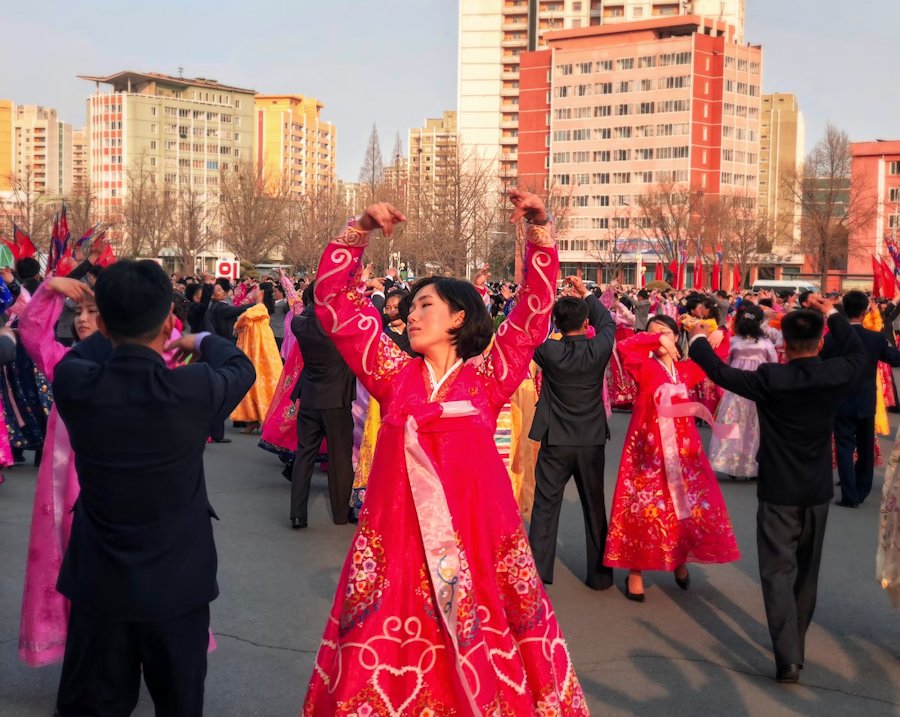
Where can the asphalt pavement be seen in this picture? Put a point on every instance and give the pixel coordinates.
(679, 653)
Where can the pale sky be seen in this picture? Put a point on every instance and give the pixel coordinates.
(393, 62)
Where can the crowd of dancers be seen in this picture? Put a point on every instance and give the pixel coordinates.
(397, 389)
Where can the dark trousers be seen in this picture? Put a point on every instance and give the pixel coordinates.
(852, 434)
(335, 425)
(789, 541)
(104, 659)
(555, 465)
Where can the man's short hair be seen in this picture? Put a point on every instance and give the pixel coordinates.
(133, 298)
(224, 283)
(804, 297)
(802, 330)
(855, 304)
(570, 314)
(28, 268)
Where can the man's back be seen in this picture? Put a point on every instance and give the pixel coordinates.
(326, 380)
(797, 403)
(142, 545)
(859, 398)
(570, 411)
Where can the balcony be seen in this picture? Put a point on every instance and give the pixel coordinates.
(509, 91)
(509, 141)
(516, 23)
(509, 124)
(514, 43)
(509, 75)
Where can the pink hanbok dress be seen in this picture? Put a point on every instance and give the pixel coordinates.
(439, 609)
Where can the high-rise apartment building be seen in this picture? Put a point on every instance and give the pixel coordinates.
(729, 12)
(7, 144)
(294, 144)
(183, 131)
(42, 149)
(492, 35)
(612, 112)
(781, 149)
(79, 159)
(433, 153)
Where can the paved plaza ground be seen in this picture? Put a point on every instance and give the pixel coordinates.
(703, 651)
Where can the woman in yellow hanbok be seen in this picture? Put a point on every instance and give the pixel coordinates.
(255, 338)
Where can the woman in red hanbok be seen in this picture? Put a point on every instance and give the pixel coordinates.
(439, 609)
(667, 509)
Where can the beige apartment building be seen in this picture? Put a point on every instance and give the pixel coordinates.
(42, 150)
(294, 144)
(79, 159)
(781, 148)
(433, 152)
(493, 33)
(7, 144)
(183, 131)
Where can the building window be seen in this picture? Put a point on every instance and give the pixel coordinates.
(153, 111)
(152, 144)
(895, 194)
(895, 168)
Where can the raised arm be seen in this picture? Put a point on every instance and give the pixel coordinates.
(38, 321)
(527, 325)
(348, 317)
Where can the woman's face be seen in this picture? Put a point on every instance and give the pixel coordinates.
(700, 311)
(658, 327)
(430, 320)
(85, 319)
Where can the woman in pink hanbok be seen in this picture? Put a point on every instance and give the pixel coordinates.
(439, 609)
(45, 612)
(620, 385)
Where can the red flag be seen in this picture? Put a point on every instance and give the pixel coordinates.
(876, 278)
(714, 276)
(698, 273)
(673, 270)
(24, 245)
(658, 274)
(888, 284)
(63, 232)
(682, 276)
(736, 273)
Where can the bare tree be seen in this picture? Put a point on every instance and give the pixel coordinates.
(744, 232)
(308, 224)
(833, 207)
(28, 207)
(252, 209)
(146, 213)
(610, 252)
(81, 207)
(372, 170)
(670, 217)
(193, 218)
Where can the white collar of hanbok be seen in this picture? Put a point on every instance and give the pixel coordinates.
(437, 384)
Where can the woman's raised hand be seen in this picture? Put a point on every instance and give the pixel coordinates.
(527, 205)
(381, 215)
(71, 288)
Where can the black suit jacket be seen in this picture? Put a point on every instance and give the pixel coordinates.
(797, 403)
(142, 542)
(197, 313)
(326, 380)
(859, 399)
(570, 410)
(222, 317)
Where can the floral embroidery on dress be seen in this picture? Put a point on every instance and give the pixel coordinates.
(366, 582)
(372, 701)
(519, 583)
(423, 592)
(467, 620)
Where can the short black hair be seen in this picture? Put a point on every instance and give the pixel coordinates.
(477, 329)
(224, 283)
(190, 291)
(804, 297)
(570, 313)
(642, 294)
(855, 304)
(802, 330)
(307, 296)
(28, 268)
(722, 294)
(133, 298)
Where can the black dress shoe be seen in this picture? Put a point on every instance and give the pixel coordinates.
(683, 583)
(351, 517)
(221, 440)
(297, 523)
(788, 675)
(635, 597)
(288, 472)
(847, 504)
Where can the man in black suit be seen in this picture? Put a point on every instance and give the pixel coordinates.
(326, 389)
(854, 424)
(570, 423)
(222, 315)
(140, 568)
(797, 403)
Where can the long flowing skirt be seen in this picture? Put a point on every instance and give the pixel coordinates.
(887, 558)
(45, 612)
(370, 430)
(279, 433)
(736, 456)
(621, 386)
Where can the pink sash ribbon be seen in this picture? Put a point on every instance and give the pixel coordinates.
(668, 412)
(435, 523)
